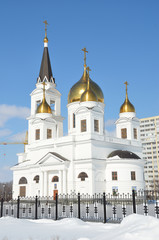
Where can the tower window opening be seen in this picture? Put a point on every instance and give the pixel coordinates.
(114, 176)
(83, 125)
(133, 175)
(37, 134)
(52, 105)
(49, 133)
(82, 176)
(74, 120)
(135, 133)
(123, 133)
(96, 125)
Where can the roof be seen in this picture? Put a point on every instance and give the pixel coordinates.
(123, 154)
(45, 69)
(59, 156)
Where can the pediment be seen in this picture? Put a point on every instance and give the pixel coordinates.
(52, 158)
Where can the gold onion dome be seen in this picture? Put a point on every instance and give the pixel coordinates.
(88, 94)
(44, 106)
(79, 88)
(127, 106)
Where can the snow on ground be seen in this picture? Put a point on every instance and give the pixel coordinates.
(135, 226)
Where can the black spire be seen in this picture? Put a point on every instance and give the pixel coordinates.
(45, 69)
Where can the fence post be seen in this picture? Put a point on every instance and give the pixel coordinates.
(36, 207)
(18, 206)
(79, 207)
(104, 206)
(56, 207)
(134, 202)
(2, 207)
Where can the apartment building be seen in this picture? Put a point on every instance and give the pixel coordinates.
(149, 134)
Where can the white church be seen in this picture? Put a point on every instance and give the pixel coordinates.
(86, 160)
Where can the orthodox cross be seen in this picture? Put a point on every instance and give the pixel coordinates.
(126, 84)
(44, 84)
(85, 51)
(45, 27)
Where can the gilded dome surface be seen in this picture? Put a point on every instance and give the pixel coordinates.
(44, 107)
(127, 105)
(78, 89)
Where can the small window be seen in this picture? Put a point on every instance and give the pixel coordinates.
(135, 133)
(123, 133)
(49, 133)
(55, 179)
(37, 134)
(82, 176)
(83, 125)
(114, 176)
(74, 121)
(36, 179)
(115, 191)
(23, 180)
(96, 125)
(133, 176)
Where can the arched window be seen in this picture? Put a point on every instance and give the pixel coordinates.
(55, 179)
(36, 179)
(82, 176)
(23, 180)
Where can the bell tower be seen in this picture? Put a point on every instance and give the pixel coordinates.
(45, 121)
(128, 125)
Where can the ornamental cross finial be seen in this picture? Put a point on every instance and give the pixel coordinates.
(126, 84)
(85, 51)
(88, 70)
(44, 84)
(45, 27)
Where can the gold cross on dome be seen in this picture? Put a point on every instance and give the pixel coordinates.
(45, 27)
(88, 70)
(126, 84)
(85, 51)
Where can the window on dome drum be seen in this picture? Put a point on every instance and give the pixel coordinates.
(114, 176)
(36, 179)
(133, 175)
(38, 103)
(123, 133)
(23, 180)
(96, 125)
(49, 133)
(74, 120)
(83, 125)
(37, 134)
(55, 179)
(135, 133)
(82, 176)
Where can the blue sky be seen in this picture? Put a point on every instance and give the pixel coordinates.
(121, 36)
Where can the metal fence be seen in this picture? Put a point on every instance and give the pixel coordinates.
(99, 207)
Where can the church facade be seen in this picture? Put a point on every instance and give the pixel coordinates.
(86, 160)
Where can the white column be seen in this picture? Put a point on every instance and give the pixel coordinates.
(60, 182)
(64, 182)
(45, 184)
(41, 184)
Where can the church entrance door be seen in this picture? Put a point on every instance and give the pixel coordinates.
(22, 191)
(54, 193)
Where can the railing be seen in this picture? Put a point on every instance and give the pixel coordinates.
(99, 207)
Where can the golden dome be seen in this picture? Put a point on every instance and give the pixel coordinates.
(88, 94)
(44, 106)
(78, 89)
(127, 106)
(45, 40)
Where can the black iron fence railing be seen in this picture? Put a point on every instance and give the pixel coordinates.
(99, 207)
